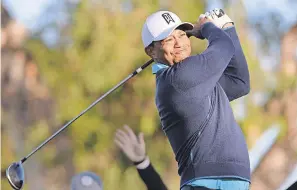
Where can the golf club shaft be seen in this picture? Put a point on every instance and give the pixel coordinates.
(84, 111)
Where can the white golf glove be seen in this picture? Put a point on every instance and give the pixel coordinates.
(216, 16)
(219, 17)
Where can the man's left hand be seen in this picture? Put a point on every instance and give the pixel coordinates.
(219, 18)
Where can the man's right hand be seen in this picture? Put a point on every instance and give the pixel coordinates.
(132, 146)
(196, 31)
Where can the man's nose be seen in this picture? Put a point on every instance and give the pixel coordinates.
(177, 42)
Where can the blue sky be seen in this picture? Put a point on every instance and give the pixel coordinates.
(26, 11)
(286, 8)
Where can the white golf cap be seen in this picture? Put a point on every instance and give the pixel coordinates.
(160, 25)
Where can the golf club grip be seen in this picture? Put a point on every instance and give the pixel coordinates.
(88, 108)
(147, 64)
(142, 67)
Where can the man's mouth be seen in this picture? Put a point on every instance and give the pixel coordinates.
(178, 52)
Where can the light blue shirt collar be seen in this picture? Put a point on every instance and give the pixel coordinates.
(158, 66)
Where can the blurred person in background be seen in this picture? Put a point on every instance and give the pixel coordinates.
(86, 181)
(193, 95)
(134, 148)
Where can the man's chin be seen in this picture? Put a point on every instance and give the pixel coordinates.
(178, 60)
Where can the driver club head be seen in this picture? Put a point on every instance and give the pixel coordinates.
(15, 175)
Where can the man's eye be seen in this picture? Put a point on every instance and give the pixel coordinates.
(168, 40)
(183, 34)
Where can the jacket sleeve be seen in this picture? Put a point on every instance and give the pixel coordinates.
(151, 178)
(204, 70)
(236, 79)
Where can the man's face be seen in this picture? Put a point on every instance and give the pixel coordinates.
(172, 49)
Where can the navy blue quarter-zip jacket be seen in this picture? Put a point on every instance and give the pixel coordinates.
(192, 98)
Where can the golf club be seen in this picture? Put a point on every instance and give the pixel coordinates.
(15, 172)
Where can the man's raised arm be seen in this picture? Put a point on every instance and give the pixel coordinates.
(206, 68)
(236, 79)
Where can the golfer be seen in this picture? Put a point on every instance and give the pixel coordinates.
(193, 94)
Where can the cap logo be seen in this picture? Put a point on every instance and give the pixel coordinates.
(167, 17)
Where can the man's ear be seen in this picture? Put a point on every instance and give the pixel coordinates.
(150, 51)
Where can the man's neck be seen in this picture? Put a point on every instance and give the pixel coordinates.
(162, 62)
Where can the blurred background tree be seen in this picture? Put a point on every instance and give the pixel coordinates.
(80, 49)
